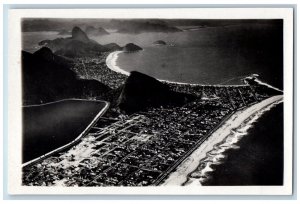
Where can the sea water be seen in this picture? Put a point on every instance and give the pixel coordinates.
(251, 155)
(216, 55)
(220, 55)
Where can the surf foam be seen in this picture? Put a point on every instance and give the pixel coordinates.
(195, 169)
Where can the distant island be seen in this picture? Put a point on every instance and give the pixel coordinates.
(159, 42)
(130, 47)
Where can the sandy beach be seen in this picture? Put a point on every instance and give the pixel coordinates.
(210, 152)
(111, 62)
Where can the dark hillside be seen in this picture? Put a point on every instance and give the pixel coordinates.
(46, 77)
(141, 91)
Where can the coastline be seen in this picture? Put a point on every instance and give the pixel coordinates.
(111, 63)
(219, 141)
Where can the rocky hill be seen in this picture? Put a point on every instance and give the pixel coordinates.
(141, 91)
(46, 77)
(78, 45)
(78, 34)
(160, 42)
(130, 47)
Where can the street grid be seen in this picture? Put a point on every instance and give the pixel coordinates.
(144, 148)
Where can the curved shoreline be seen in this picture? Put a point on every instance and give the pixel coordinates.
(181, 176)
(111, 63)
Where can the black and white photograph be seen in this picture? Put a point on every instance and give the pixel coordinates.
(144, 99)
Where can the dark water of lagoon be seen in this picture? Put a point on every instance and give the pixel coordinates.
(259, 160)
(47, 127)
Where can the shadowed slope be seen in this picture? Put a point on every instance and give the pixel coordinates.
(141, 91)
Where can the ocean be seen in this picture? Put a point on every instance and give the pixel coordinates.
(252, 154)
(205, 56)
(257, 158)
(216, 55)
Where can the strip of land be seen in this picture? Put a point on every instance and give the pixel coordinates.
(180, 175)
(59, 115)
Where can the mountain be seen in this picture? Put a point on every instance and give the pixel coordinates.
(78, 45)
(76, 48)
(78, 34)
(91, 30)
(130, 47)
(113, 46)
(46, 54)
(141, 91)
(47, 77)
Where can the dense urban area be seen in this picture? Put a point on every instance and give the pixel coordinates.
(143, 148)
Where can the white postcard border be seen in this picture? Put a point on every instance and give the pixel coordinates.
(14, 97)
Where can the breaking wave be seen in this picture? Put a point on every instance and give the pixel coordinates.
(218, 154)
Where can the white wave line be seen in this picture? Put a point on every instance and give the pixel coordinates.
(230, 142)
(239, 123)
